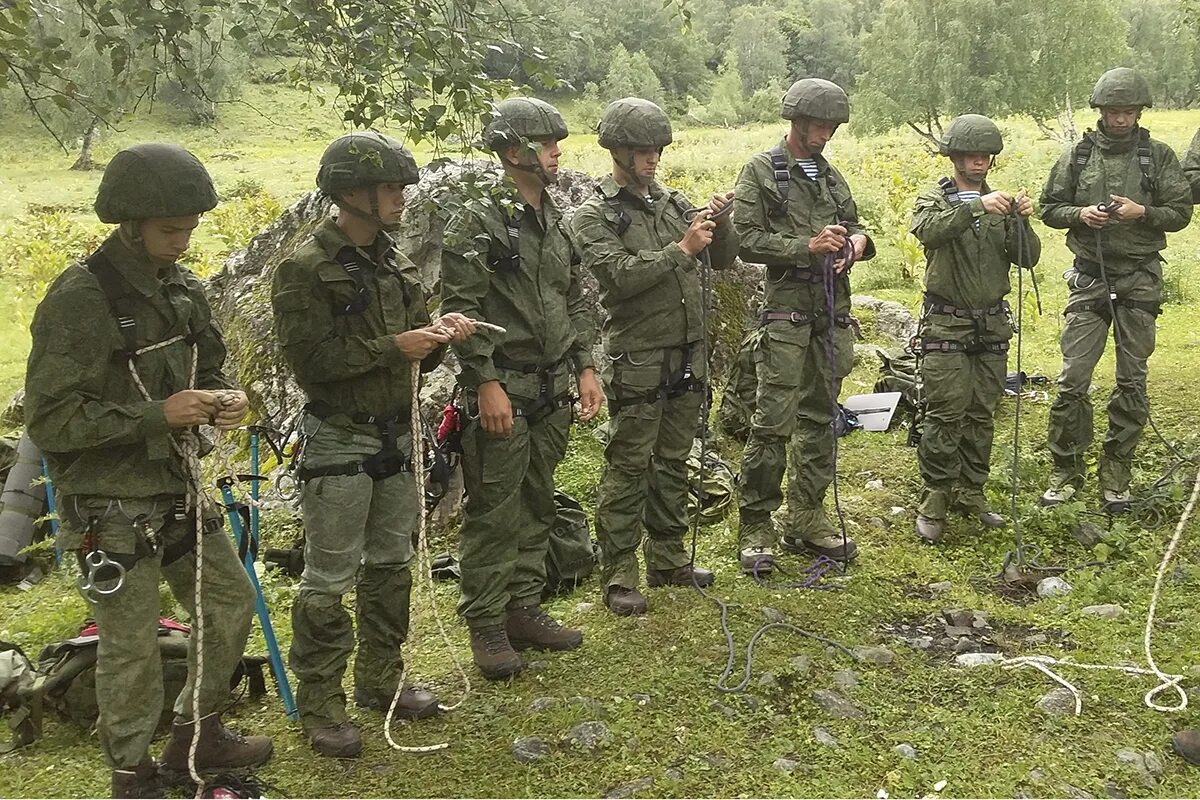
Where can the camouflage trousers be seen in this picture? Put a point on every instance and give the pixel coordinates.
(129, 683)
(358, 535)
(1084, 339)
(791, 428)
(509, 512)
(645, 483)
(961, 391)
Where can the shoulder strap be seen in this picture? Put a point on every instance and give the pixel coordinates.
(116, 292)
(1145, 163)
(1079, 160)
(949, 190)
(783, 180)
(681, 203)
(618, 208)
(348, 258)
(512, 226)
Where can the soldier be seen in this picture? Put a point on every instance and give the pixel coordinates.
(634, 235)
(971, 235)
(1117, 193)
(351, 319)
(1191, 166)
(507, 260)
(793, 209)
(126, 362)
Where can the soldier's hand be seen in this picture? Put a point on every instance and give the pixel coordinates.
(191, 407)
(458, 326)
(830, 240)
(699, 234)
(418, 343)
(997, 203)
(590, 395)
(495, 409)
(718, 202)
(859, 242)
(1093, 217)
(234, 405)
(1127, 210)
(1024, 206)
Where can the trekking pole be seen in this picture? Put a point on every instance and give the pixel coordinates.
(52, 510)
(260, 604)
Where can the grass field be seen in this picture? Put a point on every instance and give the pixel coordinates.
(650, 681)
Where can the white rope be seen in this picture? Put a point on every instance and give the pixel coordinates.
(423, 581)
(1166, 680)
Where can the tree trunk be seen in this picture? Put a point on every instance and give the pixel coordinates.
(84, 161)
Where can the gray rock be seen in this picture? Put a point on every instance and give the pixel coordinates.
(846, 679)
(1104, 611)
(717, 760)
(956, 632)
(768, 680)
(1037, 638)
(1053, 586)
(589, 735)
(801, 665)
(906, 751)
(877, 483)
(978, 659)
(1088, 534)
(979, 619)
(958, 617)
(631, 788)
(583, 608)
(1114, 791)
(641, 699)
(1148, 766)
(1058, 702)
(542, 704)
(787, 765)
(674, 774)
(888, 318)
(835, 705)
(825, 737)
(941, 587)
(1079, 794)
(878, 523)
(1037, 775)
(772, 615)
(965, 645)
(873, 654)
(528, 749)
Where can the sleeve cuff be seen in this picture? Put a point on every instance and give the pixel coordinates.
(583, 359)
(680, 259)
(154, 431)
(472, 377)
(388, 354)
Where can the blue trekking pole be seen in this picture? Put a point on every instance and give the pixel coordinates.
(260, 604)
(50, 507)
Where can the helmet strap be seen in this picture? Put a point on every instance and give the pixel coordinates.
(372, 216)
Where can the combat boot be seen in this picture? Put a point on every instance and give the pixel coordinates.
(625, 602)
(1116, 502)
(930, 529)
(757, 561)
(990, 519)
(1062, 489)
(687, 575)
(139, 781)
(815, 535)
(414, 703)
(493, 653)
(532, 628)
(336, 741)
(218, 749)
(1187, 744)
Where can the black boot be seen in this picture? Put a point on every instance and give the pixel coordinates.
(139, 781)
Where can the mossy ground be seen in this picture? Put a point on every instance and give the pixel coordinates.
(979, 730)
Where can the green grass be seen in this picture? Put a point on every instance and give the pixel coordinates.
(979, 730)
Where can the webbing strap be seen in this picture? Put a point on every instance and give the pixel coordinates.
(779, 166)
(118, 293)
(618, 208)
(348, 257)
(1083, 153)
(1101, 308)
(946, 346)
(935, 305)
(512, 228)
(672, 385)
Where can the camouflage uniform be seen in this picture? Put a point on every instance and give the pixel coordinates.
(792, 419)
(358, 528)
(535, 294)
(110, 452)
(965, 329)
(1132, 266)
(653, 332)
(1191, 166)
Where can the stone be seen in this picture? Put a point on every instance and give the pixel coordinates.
(1148, 765)
(1114, 791)
(1058, 702)
(768, 680)
(956, 632)
(674, 774)
(801, 665)
(1079, 794)
(528, 749)
(641, 699)
(717, 760)
(631, 788)
(846, 679)
(536, 666)
(1037, 775)
(590, 735)
(825, 737)
(787, 765)
(873, 654)
(958, 617)
(1088, 534)
(937, 787)
(583, 608)
(877, 483)
(965, 645)
(897, 510)
(542, 704)
(878, 523)
(970, 660)
(1103, 611)
(1053, 586)
(905, 751)
(941, 587)
(772, 615)
(888, 318)
(835, 705)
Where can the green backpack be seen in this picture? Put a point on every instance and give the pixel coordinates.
(571, 554)
(899, 373)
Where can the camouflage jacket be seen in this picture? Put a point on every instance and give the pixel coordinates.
(650, 289)
(535, 296)
(781, 242)
(82, 408)
(968, 251)
(348, 363)
(1113, 169)
(1191, 166)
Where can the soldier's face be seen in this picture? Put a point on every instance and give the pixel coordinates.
(1120, 120)
(391, 201)
(548, 156)
(166, 239)
(643, 160)
(972, 166)
(813, 134)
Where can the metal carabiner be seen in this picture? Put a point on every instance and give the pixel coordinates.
(96, 561)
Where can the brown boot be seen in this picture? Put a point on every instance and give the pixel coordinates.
(414, 702)
(219, 748)
(140, 781)
(687, 575)
(336, 741)
(625, 602)
(1187, 744)
(532, 628)
(493, 653)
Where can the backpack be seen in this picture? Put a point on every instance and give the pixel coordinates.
(899, 374)
(571, 554)
(716, 494)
